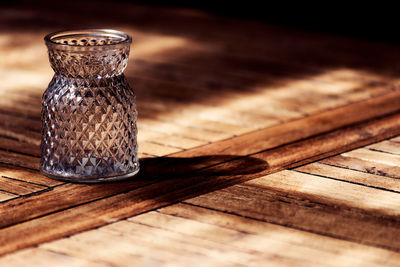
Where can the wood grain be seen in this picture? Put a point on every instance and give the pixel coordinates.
(188, 234)
(6, 196)
(265, 139)
(330, 247)
(309, 126)
(386, 146)
(222, 114)
(19, 160)
(363, 165)
(26, 175)
(44, 257)
(374, 156)
(19, 187)
(164, 192)
(310, 203)
(342, 174)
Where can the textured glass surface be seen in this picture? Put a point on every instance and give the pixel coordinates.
(89, 112)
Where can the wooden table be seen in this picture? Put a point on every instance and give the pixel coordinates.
(259, 145)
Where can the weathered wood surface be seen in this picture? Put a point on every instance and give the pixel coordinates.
(316, 214)
(238, 123)
(92, 206)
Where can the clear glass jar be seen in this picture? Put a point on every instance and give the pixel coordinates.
(89, 111)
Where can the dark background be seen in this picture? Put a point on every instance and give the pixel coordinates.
(377, 20)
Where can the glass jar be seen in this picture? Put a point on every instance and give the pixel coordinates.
(88, 110)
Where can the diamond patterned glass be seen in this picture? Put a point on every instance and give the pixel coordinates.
(89, 111)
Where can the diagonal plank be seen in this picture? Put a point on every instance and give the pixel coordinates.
(302, 128)
(162, 192)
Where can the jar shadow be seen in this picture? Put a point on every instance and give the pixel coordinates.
(209, 166)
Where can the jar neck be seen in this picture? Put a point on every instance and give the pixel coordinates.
(89, 64)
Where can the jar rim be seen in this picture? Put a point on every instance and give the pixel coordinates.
(119, 38)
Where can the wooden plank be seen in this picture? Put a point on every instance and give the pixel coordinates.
(8, 120)
(43, 257)
(179, 244)
(18, 187)
(166, 139)
(20, 106)
(188, 132)
(26, 175)
(58, 198)
(395, 139)
(139, 247)
(6, 196)
(194, 115)
(22, 134)
(167, 191)
(9, 109)
(177, 141)
(19, 146)
(109, 249)
(99, 244)
(220, 112)
(352, 176)
(241, 118)
(212, 125)
(386, 146)
(374, 156)
(19, 160)
(20, 99)
(157, 149)
(363, 165)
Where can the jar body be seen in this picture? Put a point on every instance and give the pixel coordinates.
(88, 120)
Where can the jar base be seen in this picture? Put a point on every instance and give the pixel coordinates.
(91, 180)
